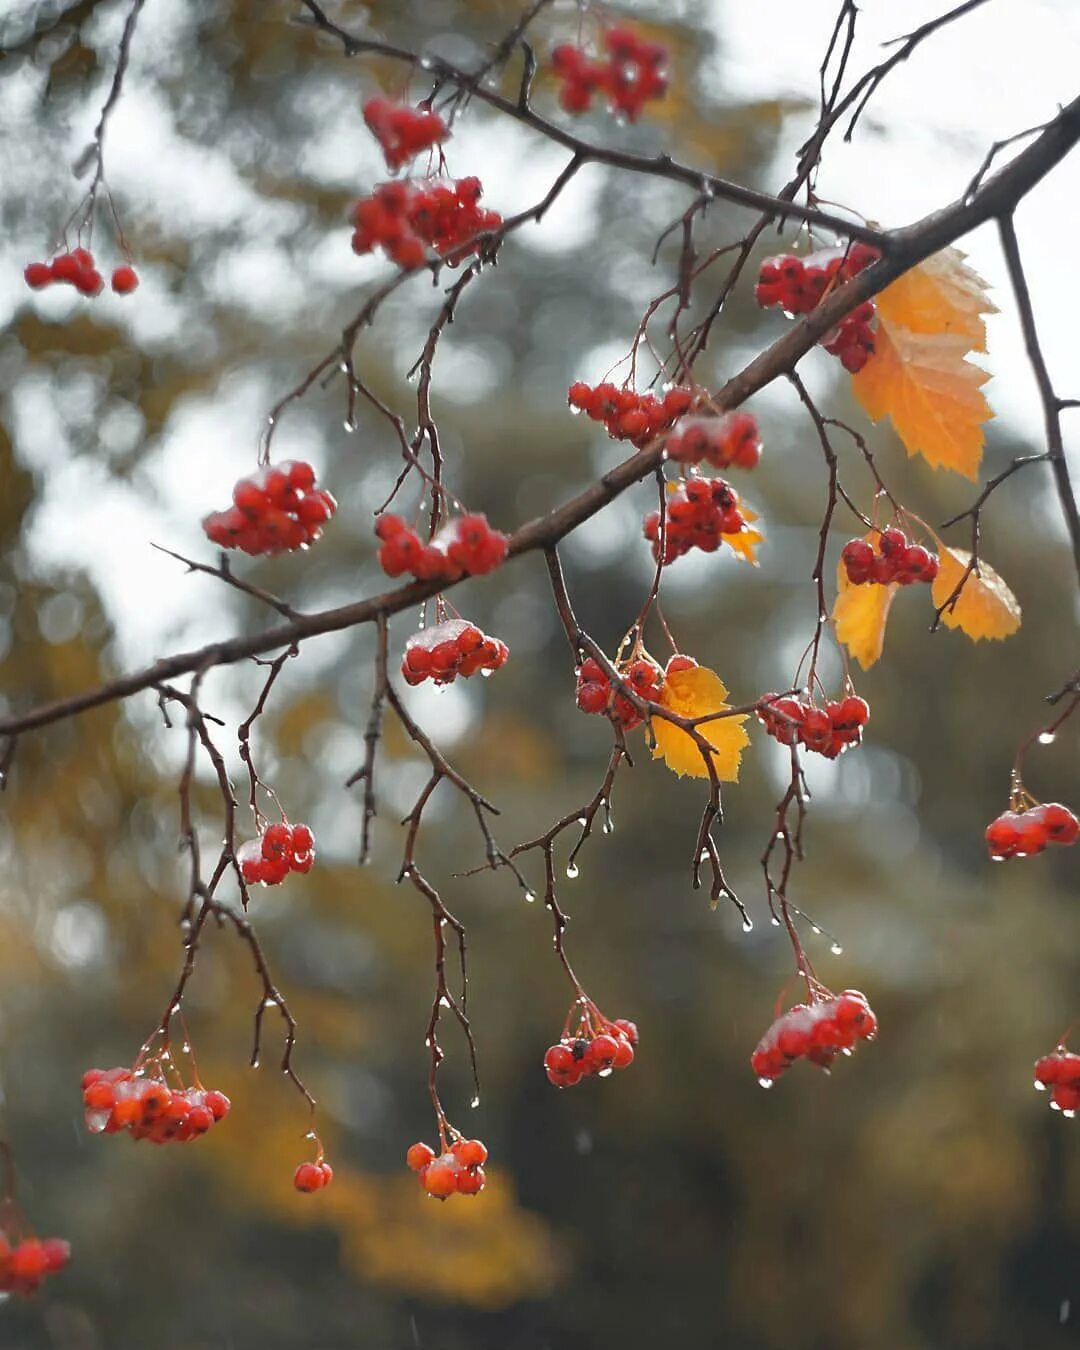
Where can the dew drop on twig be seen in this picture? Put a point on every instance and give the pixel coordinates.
(1047, 737)
(572, 870)
(748, 925)
(836, 949)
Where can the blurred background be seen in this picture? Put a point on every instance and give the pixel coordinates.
(922, 1196)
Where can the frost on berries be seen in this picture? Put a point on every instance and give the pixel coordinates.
(403, 132)
(405, 220)
(458, 1170)
(277, 510)
(730, 441)
(816, 1031)
(627, 415)
(798, 285)
(1060, 1072)
(280, 849)
(828, 731)
(25, 1263)
(446, 650)
(466, 546)
(896, 559)
(630, 73)
(594, 1046)
(146, 1106)
(1022, 833)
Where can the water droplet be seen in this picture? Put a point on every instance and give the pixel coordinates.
(748, 925)
(765, 1082)
(847, 1050)
(344, 368)
(426, 63)
(475, 1102)
(186, 1047)
(836, 949)
(444, 1002)
(349, 425)
(997, 857)
(703, 856)
(571, 870)
(271, 420)
(1040, 1087)
(583, 821)
(255, 1063)
(530, 896)
(605, 1073)
(486, 674)
(427, 1041)
(1069, 1115)
(1047, 737)
(815, 930)
(775, 921)
(609, 826)
(1054, 1106)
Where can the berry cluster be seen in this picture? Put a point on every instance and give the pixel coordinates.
(314, 1176)
(627, 415)
(598, 1047)
(406, 219)
(280, 849)
(729, 441)
(799, 284)
(274, 511)
(1061, 1073)
(464, 547)
(458, 1169)
(77, 269)
(631, 75)
(450, 649)
(699, 513)
(24, 1265)
(852, 340)
(596, 694)
(896, 559)
(145, 1106)
(828, 731)
(403, 132)
(1019, 834)
(817, 1031)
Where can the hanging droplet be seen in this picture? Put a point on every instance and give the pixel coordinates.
(255, 1063)
(765, 1082)
(1047, 737)
(572, 870)
(836, 949)
(486, 674)
(815, 930)
(775, 921)
(475, 1102)
(349, 424)
(583, 821)
(530, 896)
(748, 925)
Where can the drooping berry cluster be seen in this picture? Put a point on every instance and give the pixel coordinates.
(402, 131)
(277, 510)
(446, 650)
(798, 285)
(314, 1176)
(596, 1047)
(78, 269)
(852, 340)
(407, 219)
(458, 1170)
(1060, 1072)
(817, 1031)
(828, 731)
(596, 694)
(466, 546)
(729, 441)
(24, 1265)
(626, 414)
(1020, 834)
(145, 1106)
(280, 849)
(631, 74)
(896, 559)
(700, 511)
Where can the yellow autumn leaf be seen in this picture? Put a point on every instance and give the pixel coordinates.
(860, 615)
(929, 322)
(696, 693)
(985, 608)
(744, 544)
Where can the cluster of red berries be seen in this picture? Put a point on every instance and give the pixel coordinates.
(402, 131)
(600, 1048)
(729, 441)
(465, 547)
(699, 513)
(896, 559)
(145, 1106)
(631, 75)
(1019, 834)
(274, 511)
(457, 1170)
(852, 340)
(314, 1176)
(406, 219)
(817, 1031)
(24, 1265)
(798, 285)
(77, 269)
(450, 649)
(596, 694)
(280, 849)
(627, 415)
(828, 731)
(1061, 1073)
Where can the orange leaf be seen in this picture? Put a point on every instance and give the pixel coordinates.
(941, 295)
(860, 615)
(985, 608)
(744, 544)
(696, 693)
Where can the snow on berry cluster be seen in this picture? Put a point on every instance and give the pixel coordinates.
(1060, 1072)
(630, 74)
(277, 510)
(315, 1176)
(596, 694)
(700, 513)
(145, 1106)
(403, 132)
(446, 650)
(280, 849)
(25, 1264)
(597, 1047)
(896, 559)
(729, 441)
(626, 414)
(798, 285)
(1020, 834)
(78, 269)
(407, 219)
(817, 1031)
(458, 1170)
(466, 546)
(828, 731)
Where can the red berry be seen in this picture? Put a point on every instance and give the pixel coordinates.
(470, 1152)
(419, 1156)
(124, 280)
(440, 1179)
(308, 1177)
(303, 840)
(37, 275)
